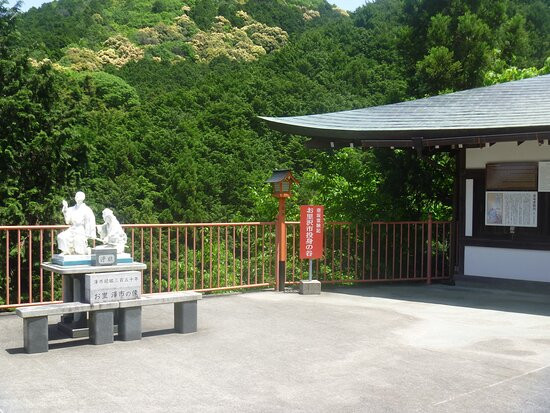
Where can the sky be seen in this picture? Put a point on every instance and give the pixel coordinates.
(350, 5)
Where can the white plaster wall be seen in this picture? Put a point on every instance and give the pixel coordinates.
(515, 264)
(477, 158)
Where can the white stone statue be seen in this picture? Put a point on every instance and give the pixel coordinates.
(111, 233)
(74, 241)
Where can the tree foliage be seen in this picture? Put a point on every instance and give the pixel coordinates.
(40, 152)
(152, 108)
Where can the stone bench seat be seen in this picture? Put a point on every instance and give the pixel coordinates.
(35, 319)
(63, 308)
(161, 298)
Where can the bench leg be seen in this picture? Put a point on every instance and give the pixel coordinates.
(129, 323)
(185, 317)
(101, 326)
(35, 334)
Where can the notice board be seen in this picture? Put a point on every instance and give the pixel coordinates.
(511, 208)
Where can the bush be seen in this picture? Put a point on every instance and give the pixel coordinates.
(112, 90)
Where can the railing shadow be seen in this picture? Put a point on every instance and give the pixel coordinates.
(470, 296)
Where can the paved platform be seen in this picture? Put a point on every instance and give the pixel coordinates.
(400, 348)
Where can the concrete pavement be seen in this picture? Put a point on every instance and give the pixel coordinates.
(399, 348)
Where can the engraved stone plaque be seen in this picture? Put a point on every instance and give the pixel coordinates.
(104, 256)
(112, 286)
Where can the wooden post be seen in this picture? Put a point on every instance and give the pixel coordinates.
(282, 181)
(429, 250)
(281, 246)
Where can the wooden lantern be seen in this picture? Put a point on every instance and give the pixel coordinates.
(282, 181)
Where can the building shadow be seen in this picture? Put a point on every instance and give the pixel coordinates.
(463, 294)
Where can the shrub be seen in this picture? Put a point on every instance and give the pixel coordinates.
(112, 90)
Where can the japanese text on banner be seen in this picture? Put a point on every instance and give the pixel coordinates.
(311, 231)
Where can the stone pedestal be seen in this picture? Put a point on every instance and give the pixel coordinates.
(76, 325)
(310, 287)
(73, 290)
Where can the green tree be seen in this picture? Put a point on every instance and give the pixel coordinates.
(40, 155)
(111, 89)
(204, 12)
(438, 71)
(439, 32)
(179, 139)
(513, 40)
(472, 48)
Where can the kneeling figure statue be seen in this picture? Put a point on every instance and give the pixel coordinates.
(111, 233)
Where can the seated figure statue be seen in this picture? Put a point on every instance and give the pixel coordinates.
(111, 232)
(74, 241)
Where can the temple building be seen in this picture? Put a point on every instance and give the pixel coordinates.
(500, 137)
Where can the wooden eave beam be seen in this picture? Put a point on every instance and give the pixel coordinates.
(448, 142)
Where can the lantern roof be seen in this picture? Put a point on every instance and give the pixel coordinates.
(282, 175)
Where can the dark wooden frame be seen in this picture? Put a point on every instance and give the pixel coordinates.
(495, 236)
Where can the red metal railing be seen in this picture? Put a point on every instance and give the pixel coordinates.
(378, 252)
(212, 257)
(24, 282)
(201, 257)
(204, 257)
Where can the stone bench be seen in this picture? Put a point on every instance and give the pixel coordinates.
(101, 323)
(185, 313)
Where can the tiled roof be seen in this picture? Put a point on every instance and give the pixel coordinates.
(516, 107)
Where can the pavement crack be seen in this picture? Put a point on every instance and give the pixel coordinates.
(498, 383)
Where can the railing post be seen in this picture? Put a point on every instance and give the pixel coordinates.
(429, 250)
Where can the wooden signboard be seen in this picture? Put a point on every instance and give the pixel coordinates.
(512, 176)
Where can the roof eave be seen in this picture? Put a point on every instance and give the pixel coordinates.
(406, 138)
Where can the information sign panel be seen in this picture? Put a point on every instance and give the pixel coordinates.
(511, 176)
(511, 209)
(311, 231)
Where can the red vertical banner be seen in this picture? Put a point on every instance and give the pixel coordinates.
(312, 223)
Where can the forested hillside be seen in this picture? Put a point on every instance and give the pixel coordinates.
(151, 107)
